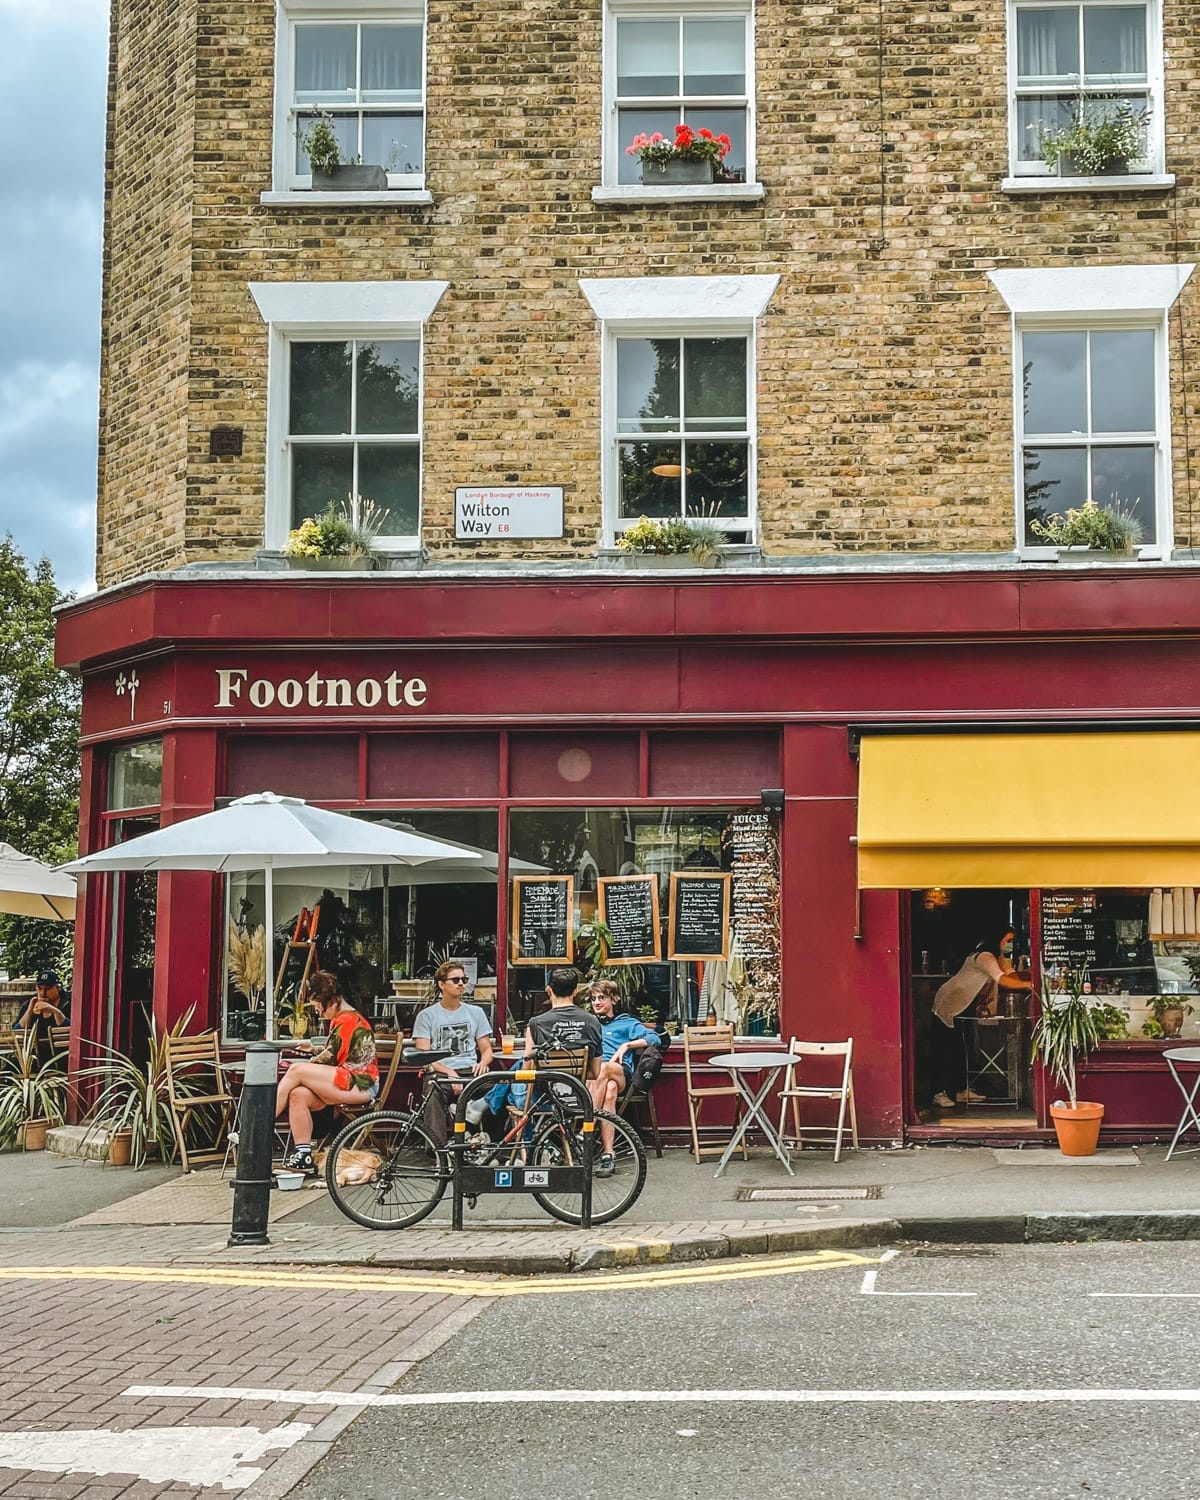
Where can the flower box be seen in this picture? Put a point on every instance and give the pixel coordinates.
(1092, 555)
(678, 173)
(330, 564)
(350, 179)
(658, 562)
(1071, 166)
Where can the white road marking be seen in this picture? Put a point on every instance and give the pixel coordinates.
(224, 1456)
(869, 1289)
(1175, 1296)
(603, 1397)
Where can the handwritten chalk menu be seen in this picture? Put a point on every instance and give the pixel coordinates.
(1069, 936)
(629, 909)
(699, 916)
(752, 842)
(542, 910)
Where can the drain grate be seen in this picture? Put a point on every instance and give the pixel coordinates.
(806, 1195)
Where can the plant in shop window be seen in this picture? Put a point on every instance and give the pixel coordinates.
(1068, 1028)
(1166, 1018)
(1101, 139)
(694, 156)
(340, 539)
(1106, 530)
(330, 172)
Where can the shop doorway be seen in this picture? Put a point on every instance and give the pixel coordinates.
(977, 1076)
(131, 956)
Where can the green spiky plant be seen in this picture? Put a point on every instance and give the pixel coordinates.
(134, 1096)
(29, 1088)
(1067, 1030)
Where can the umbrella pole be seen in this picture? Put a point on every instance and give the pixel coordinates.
(270, 948)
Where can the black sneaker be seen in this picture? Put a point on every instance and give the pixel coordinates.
(607, 1165)
(300, 1160)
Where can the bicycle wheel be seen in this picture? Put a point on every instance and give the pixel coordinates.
(560, 1144)
(384, 1171)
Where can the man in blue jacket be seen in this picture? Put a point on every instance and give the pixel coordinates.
(623, 1036)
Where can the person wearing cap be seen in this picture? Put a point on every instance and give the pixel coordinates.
(49, 1007)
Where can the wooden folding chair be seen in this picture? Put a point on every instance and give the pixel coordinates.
(196, 1085)
(60, 1041)
(632, 1097)
(387, 1054)
(793, 1091)
(700, 1042)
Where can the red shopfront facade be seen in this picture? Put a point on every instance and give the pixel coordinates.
(650, 703)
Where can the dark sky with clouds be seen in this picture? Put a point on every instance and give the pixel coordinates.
(52, 114)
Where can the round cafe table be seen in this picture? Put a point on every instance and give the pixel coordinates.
(1189, 1057)
(740, 1065)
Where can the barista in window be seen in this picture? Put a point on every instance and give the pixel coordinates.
(984, 972)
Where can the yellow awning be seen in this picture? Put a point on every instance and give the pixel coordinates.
(1029, 810)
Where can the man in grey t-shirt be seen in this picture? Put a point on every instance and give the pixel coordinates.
(450, 1025)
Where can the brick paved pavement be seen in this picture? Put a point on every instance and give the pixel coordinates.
(68, 1350)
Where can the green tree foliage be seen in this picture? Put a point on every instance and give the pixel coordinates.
(39, 746)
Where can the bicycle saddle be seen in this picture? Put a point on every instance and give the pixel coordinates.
(414, 1057)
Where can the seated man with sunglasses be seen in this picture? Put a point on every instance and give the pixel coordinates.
(451, 1025)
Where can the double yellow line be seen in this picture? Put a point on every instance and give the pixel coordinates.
(347, 1280)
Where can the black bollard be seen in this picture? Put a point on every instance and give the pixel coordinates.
(256, 1133)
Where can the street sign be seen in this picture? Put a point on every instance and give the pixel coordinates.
(485, 513)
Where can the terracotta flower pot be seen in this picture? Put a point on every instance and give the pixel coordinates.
(1078, 1128)
(120, 1149)
(33, 1135)
(1170, 1018)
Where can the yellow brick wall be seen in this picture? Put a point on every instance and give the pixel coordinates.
(884, 368)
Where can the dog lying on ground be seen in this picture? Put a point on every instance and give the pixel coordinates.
(353, 1166)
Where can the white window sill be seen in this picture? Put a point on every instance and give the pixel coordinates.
(702, 192)
(306, 198)
(1135, 182)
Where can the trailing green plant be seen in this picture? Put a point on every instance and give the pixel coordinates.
(1107, 528)
(320, 144)
(1066, 1031)
(1112, 1023)
(592, 942)
(29, 1088)
(1153, 1029)
(134, 1096)
(1101, 131)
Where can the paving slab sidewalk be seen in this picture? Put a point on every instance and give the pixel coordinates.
(873, 1196)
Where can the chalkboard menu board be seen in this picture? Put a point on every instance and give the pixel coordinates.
(1069, 930)
(542, 911)
(752, 841)
(629, 909)
(699, 917)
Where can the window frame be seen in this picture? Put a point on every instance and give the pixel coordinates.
(1050, 322)
(662, 10)
(1153, 161)
(291, 13)
(612, 438)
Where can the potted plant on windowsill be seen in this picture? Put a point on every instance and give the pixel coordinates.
(1092, 533)
(671, 544)
(1167, 1015)
(330, 174)
(1101, 140)
(1066, 1031)
(340, 540)
(692, 158)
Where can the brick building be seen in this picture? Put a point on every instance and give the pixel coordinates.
(892, 338)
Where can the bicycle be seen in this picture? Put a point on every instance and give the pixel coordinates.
(394, 1174)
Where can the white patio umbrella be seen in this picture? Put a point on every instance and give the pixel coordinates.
(267, 832)
(28, 888)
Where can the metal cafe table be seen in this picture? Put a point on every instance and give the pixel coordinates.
(1189, 1057)
(739, 1065)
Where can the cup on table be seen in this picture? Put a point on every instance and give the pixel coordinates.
(506, 1045)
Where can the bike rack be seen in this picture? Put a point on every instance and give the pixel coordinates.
(471, 1181)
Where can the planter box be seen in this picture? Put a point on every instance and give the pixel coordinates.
(658, 562)
(677, 173)
(1070, 166)
(1093, 555)
(331, 564)
(350, 180)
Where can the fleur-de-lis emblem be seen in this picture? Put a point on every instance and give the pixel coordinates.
(128, 685)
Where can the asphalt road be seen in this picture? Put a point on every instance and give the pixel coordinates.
(1030, 1324)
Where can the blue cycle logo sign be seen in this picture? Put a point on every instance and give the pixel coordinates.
(485, 513)
(236, 689)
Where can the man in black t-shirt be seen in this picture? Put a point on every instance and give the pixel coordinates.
(568, 1028)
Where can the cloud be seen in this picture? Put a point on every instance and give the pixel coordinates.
(56, 58)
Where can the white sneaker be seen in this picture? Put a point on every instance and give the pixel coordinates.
(943, 1100)
(969, 1096)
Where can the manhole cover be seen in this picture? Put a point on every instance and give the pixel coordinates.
(806, 1195)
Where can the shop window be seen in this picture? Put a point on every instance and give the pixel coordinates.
(588, 764)
(382, 930)
(686, 67)
(590, 844)
(135, 776)
(1092, 426)
(1071, 63)
(317, 767)
(713, 765)
(404, 766)
(367, 73)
